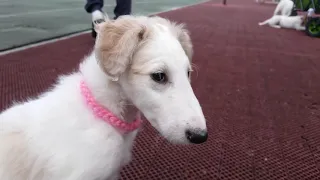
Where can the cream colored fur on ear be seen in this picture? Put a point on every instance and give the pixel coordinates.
(116, 43)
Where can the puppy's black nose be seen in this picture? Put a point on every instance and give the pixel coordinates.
(197, 136)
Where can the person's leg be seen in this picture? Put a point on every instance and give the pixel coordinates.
(94, 7)
(123, 7)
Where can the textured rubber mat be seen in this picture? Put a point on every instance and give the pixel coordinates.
(259, 88)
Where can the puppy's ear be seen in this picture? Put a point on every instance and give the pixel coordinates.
(185, 40)
(116, 44)
(98, 24)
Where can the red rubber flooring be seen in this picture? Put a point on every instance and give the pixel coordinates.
(259, 88)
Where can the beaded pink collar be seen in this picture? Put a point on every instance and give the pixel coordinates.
(105, 115)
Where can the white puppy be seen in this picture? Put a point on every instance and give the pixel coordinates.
(83, 128)
(291, 22)
(284, 7)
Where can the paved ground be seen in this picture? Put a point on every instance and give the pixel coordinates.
(26, 21)
(258, 86)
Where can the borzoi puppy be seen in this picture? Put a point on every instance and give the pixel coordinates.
(83, 128)
(284, 7)
(291, 22)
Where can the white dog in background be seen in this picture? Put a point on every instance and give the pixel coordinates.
(291, 22)
(83, 128)
(284, 7)
(281, 17)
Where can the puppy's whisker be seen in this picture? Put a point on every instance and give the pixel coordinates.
(195, 68)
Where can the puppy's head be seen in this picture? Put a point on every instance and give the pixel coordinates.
(151, 58)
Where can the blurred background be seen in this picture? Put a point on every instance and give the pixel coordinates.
(28, 21)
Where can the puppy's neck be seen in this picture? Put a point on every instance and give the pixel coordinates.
(108, 93)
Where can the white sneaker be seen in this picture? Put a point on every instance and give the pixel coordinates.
(97, 17)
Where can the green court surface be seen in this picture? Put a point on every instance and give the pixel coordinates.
(28, 21)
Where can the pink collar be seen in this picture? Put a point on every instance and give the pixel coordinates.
(104, 114)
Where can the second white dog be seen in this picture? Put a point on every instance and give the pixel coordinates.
(291, 22)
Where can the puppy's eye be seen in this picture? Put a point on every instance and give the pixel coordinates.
(189, 73)
(159, 77)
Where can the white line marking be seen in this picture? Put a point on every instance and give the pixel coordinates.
(42, 43)
(38, 12)
(84, 32)
(41, 12)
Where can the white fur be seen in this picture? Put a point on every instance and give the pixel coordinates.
(56, 136)
(284, 7)
(279, 21)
